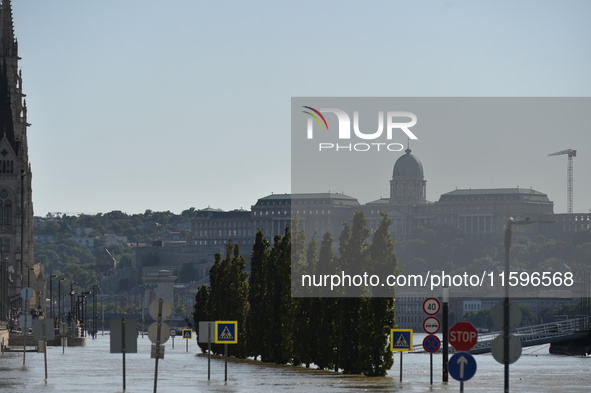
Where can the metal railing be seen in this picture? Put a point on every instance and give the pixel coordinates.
(540, 334)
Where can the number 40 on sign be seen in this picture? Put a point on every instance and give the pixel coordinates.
(431, 306)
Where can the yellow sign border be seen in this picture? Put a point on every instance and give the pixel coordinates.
(191, 335)
(392, 340)
(235, 323)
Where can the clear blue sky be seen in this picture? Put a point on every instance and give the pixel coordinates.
(167, 105)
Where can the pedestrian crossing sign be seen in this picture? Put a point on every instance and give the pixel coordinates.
(226, 332)
(401, 340)
(187, 334)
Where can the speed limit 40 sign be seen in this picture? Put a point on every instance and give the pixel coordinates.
(431, 306)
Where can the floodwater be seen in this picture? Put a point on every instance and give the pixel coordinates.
(93, 368)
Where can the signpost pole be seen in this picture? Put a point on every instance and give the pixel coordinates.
(506, 306)
(158, 331)
(226, 363)
(461, 386)
(431, 356)
(444, 325)
(123, 348)
(26, 324)
(400, 366)
(208, 350)
(431, 325)
(44, 348)
(187, 345)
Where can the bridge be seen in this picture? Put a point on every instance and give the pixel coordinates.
(547, 333)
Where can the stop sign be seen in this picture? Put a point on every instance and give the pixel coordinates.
(463, 336)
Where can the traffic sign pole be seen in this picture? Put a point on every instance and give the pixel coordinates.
(208, 350)
(431, 344)
(431, 325)
(26, 313)
(445, 325)
(123, 348)
(400, 366)
(431, 356)
(401, 340)
(45, 347)
(226, 362)
(158, 331)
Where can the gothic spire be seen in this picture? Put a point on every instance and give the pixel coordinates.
(8, 45)
(7, 127)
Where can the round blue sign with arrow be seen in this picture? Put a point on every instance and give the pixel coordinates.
(462, 366)
(431, 343)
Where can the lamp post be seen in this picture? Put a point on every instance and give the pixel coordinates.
(72, 292)
(51, 277)
(77, 308)
(506, 328)
(445, 330)
(84, 312)
(59, 298)
(94, 329)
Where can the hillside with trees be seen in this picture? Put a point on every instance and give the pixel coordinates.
(63, 254)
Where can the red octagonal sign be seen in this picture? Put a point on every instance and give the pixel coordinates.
(463, 336)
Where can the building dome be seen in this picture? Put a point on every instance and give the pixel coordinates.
(408, 165)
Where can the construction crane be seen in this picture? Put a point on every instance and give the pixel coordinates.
(569, 175)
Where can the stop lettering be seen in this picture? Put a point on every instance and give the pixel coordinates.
(463, 336)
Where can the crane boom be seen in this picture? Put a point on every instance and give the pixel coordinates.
(570, 152)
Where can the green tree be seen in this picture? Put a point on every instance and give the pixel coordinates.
(279, 296)
(353, 259)
(376, 322)
(200, 311)
(327, 342)
(229, 295)
(259, 313)
(306, 316)
(377, 313)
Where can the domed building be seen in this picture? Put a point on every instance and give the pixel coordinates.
(408, 184)
(408, 193)
(478, 213)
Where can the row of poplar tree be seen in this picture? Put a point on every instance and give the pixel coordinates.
(347, 334)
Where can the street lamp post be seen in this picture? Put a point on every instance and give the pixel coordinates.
(51, 277)
(506, 312)
(77, 308)
(72, 315)
(59, 298)
(94, 329)
(84, 312)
